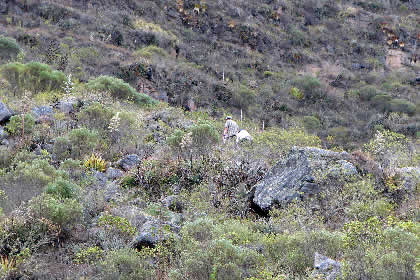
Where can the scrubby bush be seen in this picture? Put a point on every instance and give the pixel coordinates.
(119, 90)
(366, 93)
(61, 211)
(127, 264)
(402, 105)
(62, 188)
(311, 123)
(9, 48)
(95, 116)
(381, 101)
(15, 126)
(311, 87)
(82, 141)
(33, 76)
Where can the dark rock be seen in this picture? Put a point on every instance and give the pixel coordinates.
(113, 173)
(67, 106)
(173, 203)
(129, 162)
(3, 133)
(112, 192)
(43, 113)
(301, 175)
(409, 178)
(329, 268)
(5, 113)
(101, 179)
(150, 235)
(3, 7)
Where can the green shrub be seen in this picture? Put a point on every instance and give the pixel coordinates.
(117, 223)
(62, 189)
(366, 93)
(82, 141)
(311, 87)
(381, 101)
(311, 123)
(297, 93)
(120, 90)
(62, 148)
(340, 133)
(126, 264)
(96, 116)
(62, 212)
(402, 105)
(33, 76)
(9, 48)
(89, 255)
(14, 127)
(203, 135)
(243, 97)
(151, 51)
(175, 140)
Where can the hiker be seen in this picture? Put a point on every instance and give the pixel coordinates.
(231, 129)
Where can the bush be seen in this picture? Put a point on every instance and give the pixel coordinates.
(9, 48)
(381, 101)
(62, 189)
(311, 87)
(62, 212)
(33, 76)
(402, 105)
(203, 135)
(120, 90)
(127, 264)
(150, 51)
(311, 123)
(366, 93)
(96, 116)
(82, 141)
(14, 127)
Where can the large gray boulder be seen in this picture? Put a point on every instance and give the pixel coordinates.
(129, 162)
(43, 113)
(5, 113)
(302, 174)
(327, 267)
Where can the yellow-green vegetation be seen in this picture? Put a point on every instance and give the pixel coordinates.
(297, 93)
(9, 48)
(95, 162)
(89, 255)
(150, 51)
(119, 89)
(116, 223)
(154, 28)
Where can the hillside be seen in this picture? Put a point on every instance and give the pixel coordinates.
(112, 164)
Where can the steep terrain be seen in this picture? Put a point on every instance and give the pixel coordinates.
(112, 164)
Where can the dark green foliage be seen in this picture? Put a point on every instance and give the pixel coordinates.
(381, 101)
(9, 48)
(82, 141)
(126, 264)
(311, 123)
(33, 76)
(366, 93)
(15, 125)
(62, 189)
(204, 135)
(62, 212)
(119, 90)
(402, 105)
(311, 87)
(95, 116)
(77, 144)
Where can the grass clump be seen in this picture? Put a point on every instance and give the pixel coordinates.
(9, 48)
(120, 90)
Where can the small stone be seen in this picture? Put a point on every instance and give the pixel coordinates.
(5, 113)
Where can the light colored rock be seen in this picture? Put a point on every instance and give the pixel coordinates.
(329, 268)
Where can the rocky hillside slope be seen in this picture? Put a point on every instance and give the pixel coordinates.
(339, 68)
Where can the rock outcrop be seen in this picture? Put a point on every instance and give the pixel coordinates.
(302, 174)
(5, 113)
(128, 162)
(327, 267)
